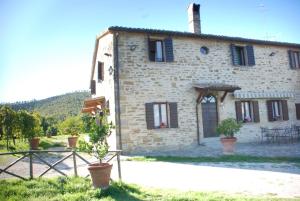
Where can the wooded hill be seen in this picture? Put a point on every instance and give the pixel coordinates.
(59, 107)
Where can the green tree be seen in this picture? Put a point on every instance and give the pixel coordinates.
(44, 124)
(71, 126)
(8, 121)
(29, 124)
(87, 121)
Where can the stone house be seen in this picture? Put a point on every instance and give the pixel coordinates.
(168, 90)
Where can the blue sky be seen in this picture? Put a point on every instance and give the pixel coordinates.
(46, 46)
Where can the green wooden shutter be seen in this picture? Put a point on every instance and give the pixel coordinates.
(149, 115)
(100, 71)
(169, 49)
(234, 55)
(291, 59)
(297, 111)
(151, 49)
(250, 55)
(285, 110)
(173, 115)
(255, 111)
(93, 87)
(238, 111)
(270, 110)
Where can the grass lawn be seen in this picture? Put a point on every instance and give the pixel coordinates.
(233, 158)
(79, 189)
(21, 145)
(45, 143)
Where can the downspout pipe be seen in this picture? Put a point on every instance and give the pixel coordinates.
(117, 89)
(197, 119)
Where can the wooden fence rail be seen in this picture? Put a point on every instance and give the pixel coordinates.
(72, 154)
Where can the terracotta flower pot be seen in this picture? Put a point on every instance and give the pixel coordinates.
(34, 143)
(100, 173)
(72, 141)
(228, 145)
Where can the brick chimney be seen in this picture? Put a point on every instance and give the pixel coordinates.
(194, 18)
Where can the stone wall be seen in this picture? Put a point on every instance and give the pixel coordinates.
(142, 81)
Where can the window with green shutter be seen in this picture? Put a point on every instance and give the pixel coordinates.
(160, 50)
(247, 111)
(277, 110)
(93, 87)
(100, 71)
(161, 115)
(294, 58)
(242, 55)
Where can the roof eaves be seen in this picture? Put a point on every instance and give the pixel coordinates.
(203, 36)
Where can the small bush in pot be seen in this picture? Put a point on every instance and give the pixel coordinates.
(30, 127)
(227, 128)
(97, 145)
(72, 126)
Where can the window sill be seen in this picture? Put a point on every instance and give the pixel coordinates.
(161, 127)
(243, 67)
(158, 61)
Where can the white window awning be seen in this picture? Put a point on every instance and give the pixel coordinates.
(251, 95)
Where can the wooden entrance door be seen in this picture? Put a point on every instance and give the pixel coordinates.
(209, 116)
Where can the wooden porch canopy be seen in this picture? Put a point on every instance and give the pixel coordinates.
(205, 88)
(91, 104)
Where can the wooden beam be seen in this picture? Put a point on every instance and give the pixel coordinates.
(224, 96)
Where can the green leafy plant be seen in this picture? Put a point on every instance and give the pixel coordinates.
(71, 126)
(99, 131)
(29, 124)
(229, 127)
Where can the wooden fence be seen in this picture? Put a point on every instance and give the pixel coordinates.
(71, 154)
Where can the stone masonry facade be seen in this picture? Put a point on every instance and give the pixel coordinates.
(143, 81)
(132, 80)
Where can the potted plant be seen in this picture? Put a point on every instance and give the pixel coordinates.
(73, 127)
(30, 128)
(227, 128)
(97, 145)
(72, 140)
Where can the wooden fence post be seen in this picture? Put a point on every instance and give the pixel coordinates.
(119, 165)
(75, 164)
(30, 165)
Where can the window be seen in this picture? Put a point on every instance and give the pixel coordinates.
(161, 50)
(242, 55)
(277, 110)
(161, 115)
(247, 111)
(100, 71)
(294, 59)
(156, 50)
(93, 87)
(204, 50)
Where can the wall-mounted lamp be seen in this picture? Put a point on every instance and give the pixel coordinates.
(272, 54)
(111, 70)
(132, 47)
(107, 54)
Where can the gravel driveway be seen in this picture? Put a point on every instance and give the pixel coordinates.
(280, 180)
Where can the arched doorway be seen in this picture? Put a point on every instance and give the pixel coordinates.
(209, 116)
